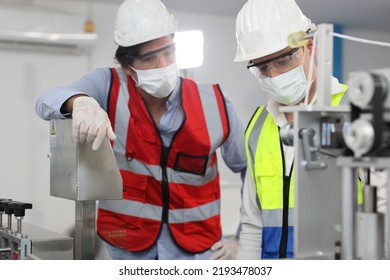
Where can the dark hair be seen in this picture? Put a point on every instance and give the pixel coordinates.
(122, 54)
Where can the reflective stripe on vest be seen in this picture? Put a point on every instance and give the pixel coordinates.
(266, 165)
(177, 184)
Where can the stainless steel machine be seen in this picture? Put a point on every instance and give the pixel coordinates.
(333, 147)
(369, 143)
(77, 173)
(25, 241)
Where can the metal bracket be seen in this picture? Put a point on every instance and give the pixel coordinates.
(310, 151)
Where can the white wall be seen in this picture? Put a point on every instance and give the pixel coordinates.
(358, 57)
(24, 168)
(24, 145)
(24, 142)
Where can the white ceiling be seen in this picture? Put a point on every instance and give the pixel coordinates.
(361, 14)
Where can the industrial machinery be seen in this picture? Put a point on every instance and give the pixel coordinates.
(77, 173)
(29, 241)
(368, 139)
(336, 149)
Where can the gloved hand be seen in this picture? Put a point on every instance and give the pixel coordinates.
(90, 122)
(225, 250)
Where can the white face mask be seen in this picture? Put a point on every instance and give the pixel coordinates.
(287, 88)
(158, 82)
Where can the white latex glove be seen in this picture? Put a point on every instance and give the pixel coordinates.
(90, 122)
(225, 250)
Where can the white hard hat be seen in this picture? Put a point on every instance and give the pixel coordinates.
(139, 21)
(263, 26)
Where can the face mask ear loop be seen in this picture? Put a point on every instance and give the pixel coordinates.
(309, 84)
(135, 81)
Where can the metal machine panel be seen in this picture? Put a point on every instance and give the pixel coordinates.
(317, 194)
(48, 245)
(79, 173)
(35, 243)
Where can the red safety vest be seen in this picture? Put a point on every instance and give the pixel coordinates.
(178, 185)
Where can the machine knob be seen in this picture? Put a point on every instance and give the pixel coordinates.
(3, 203)
(19, 208)
(8, 210)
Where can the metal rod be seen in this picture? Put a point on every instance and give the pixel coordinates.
(9, 221)
(347, 213)
(370, 199)
(325, 63)
(85, 230)
(19, 224)
(388, 216)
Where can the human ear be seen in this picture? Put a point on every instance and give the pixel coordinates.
(310, 47)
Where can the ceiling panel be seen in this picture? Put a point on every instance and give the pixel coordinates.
(370, 15)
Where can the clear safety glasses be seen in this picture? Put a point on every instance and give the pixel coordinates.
(280, 64)
(151, 59)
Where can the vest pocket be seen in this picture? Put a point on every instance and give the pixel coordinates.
(191, 164)
(266, 184)
(201, 210)
(208, 228)
(135, 188)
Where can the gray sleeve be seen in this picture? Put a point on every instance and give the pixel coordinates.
(95, 84)
(249, 247)
(233, 150)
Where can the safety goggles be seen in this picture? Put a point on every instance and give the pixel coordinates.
(151, 59)
(280, 64)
